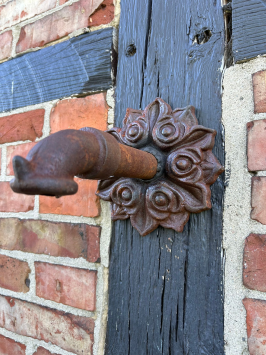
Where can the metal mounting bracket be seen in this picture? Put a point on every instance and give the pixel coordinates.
(186, 168)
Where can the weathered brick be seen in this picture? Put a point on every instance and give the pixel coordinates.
(256, 145)
(6, 39)
(19, 10)
(83, 203)
(13, 202)
(103, 15)
(254, 262)
(12, 150)
(57, 25)
(51, 238)
(10, 347)
(71, 333)
(71, 286)
(13, 274)
(259, 91)
(258, 199)
(42, 351)
(256, 325)
(21, 126)
(90, 111)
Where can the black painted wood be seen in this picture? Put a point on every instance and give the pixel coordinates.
(79, 65)
(249, 29)
(166, 292)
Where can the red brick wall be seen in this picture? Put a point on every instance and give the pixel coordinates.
(53, 252)
(27, 25)
(254, 259)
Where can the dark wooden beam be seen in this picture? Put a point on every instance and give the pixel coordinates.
(249, 29)
(166, 292)
(80, 65)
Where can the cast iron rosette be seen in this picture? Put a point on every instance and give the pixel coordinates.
(186, 168)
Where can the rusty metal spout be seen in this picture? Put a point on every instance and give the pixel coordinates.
(51, 165)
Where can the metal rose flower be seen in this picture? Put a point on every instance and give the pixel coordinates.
(137, 125)
(125, 195)
(165, 204)
(183, 165)
(170, 129)
(186, 168)
(161, 200)
(167, 131)
(135, 131)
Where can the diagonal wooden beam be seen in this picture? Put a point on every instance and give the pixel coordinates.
(80, 65)
(249, 30)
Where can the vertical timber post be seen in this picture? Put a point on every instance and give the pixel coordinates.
(166, 292)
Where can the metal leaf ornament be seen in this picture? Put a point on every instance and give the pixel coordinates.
(186, 168)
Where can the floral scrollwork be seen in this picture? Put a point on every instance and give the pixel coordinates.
(190, 168)
(124, 194)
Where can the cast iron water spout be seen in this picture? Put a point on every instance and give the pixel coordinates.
(155, 170)
(51, 165)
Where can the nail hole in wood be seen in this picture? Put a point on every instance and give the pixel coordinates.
(202, 37)
(131, 50)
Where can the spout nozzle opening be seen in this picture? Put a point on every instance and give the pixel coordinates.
(26, 181)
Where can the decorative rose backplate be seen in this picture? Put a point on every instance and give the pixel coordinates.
(186, 168)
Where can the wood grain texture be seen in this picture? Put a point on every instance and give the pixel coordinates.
(79, 65)
(249, 30)
(166, 293)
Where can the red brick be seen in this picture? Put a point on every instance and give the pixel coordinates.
(71, 286)
(13, 274)
(21, 126)
(57, 25)
(19, 10)
(90, 111)
(51, 238)
(10, 347)
(104, 14)
(258, 199)
(259, 91)
(71, 333)
(83, 203)
(42, 351)
(12, 150)
(256, 145)
(13, 202)
(6, 39)
(256, 325)
(254, 262)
